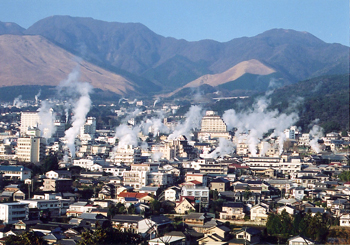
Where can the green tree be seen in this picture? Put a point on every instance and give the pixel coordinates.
(274, 224)
(28, 238)
(109, 235)
(131, 209)
(247, 193)
(50, 163)
(287, 227)
(155, 207)
(344, 176)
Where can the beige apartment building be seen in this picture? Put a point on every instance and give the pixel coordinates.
(213, 126)
(30, 149)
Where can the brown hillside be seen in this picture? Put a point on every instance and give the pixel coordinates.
(251, 66)
(33, 60)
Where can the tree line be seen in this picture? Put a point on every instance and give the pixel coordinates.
(313, 226)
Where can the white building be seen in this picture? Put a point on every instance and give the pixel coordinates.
(55, 206)
(305, 139)
(115, 170)
(56, 174)
(12, 212)
(90, 163)
(345, 220)
(137, 177)
(160, 179)
(29, 119)
(290, 132)
(127, 155)
(259, 212)
(172, 194)
(77, 208)
(200, 193)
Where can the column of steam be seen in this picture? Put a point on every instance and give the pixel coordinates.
(80, 110)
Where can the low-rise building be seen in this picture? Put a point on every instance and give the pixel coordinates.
(185, 205)
(125, 223)
(232, 210)
(16, 172)
(259, 212)
(57, 185)
(56, 174)
(12, 212)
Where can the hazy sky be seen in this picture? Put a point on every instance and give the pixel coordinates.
(193, 20)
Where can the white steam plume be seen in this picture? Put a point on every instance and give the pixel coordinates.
(127, 135)
(73, 87)
(225, 147)
(258, 121)
(37, 96)
(17, 102)
(154, 125)
(193, 120)
(155, 102)
(47, 120)
(316, 133)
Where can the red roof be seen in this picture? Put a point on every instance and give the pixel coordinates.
(133, 194)
(190, 199)
(196, 182)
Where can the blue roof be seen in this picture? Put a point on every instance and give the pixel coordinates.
(13, 168)
(131, 199)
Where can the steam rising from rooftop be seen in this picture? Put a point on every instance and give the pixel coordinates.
(192, 121)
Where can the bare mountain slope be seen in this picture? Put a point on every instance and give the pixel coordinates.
(246, 67)
(33, 60)
(251, 66)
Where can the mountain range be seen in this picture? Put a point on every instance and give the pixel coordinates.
(130, 59)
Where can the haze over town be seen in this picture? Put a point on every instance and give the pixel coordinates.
(205, 123)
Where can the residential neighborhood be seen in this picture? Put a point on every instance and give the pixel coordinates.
(206, 185)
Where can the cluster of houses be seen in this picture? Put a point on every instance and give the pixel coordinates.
(251, 189)
(186, 179)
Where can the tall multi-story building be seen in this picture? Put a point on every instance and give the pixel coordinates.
(29, 119)
(213, 126)
(13, 211)
(30, 149)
